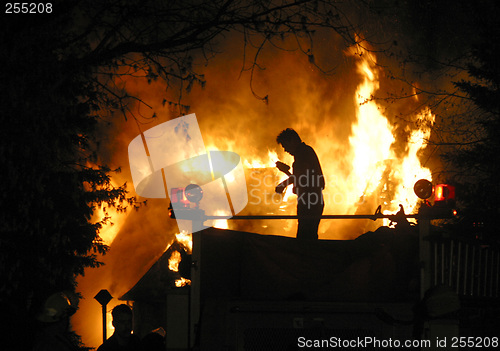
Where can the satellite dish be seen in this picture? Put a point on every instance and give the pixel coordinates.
(423, 189)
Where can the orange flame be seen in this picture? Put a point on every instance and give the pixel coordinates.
(174, 260)
(376, 167)
(182, 282)
(186, 240)
(371, 137)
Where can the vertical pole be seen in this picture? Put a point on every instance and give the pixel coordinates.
(492, 272)
(486, 271)
(436, 264)
(195, 289)
(498, 275)
(473, 270)
(443, 262)
(466, 267)
(459, 262)
(450, 271)
(424, 255)
(480, 271)
(104, 323)
(103, 297)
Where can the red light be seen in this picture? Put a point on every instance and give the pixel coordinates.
(179, 198)
(443, 192)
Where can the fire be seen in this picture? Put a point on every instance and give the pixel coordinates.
(371, 172)
(174, 260)
(372, 136)
(186, 240)
(376, 169)
(110, 329)
(115, 219)
(362, 170)
(173, 265)
(259, 163)
(182, 282)
(221, 223)
(411, 169)
(361, 167)
(109, 230)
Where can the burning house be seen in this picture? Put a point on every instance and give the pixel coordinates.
(249, 285)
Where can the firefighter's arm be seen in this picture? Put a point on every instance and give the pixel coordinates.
(281, 186)
(283, 167)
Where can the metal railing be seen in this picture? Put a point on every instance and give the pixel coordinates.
(471, 268)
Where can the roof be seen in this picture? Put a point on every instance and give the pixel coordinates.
(377, 266)
(159, 280)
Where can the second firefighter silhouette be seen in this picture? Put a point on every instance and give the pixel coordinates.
(307, 180)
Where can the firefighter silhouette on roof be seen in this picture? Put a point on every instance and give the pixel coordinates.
(307, 180)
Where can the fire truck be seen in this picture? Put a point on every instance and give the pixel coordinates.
(409, 286)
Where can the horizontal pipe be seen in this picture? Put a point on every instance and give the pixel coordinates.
(372, 217)
(199, 215)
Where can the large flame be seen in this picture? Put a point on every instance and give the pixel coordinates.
(411, 170)
(371, 137)
(372, 173)
(272, 157)
(377, 171)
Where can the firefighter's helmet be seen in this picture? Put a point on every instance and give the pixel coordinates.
(56, 307)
